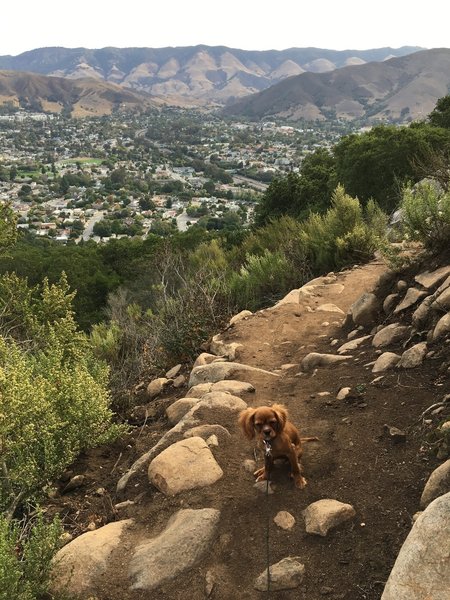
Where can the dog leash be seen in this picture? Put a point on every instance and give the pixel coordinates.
(267, 462)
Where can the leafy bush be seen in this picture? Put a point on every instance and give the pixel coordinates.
(425, 213)
(345, 234)
(25, 558)
(261, 280)
(54, 401)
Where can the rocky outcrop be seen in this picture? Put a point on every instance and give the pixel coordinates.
(186, 538)
(422, 570)
(185, 465)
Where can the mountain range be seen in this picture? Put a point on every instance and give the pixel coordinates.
(205, 74)
(294, 84)
(397, 90)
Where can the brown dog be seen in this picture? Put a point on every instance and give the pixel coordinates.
(271, 426)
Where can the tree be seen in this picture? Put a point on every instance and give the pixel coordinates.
(282, 197)
(377, 164)
(440, 115)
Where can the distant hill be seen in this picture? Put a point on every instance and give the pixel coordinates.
(81, 97)
(400, 89)
(205, 73)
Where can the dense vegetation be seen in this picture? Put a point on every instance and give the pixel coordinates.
(81, 325)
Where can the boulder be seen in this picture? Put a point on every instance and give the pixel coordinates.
(244, 314)
(173, 372)
(77, 566)
(233, 387)
(197, 391)
(365, 310)
(330, 308)
(287, 574)
(221, 348)
(442, 301)
(326, 514)
(205, 431)
(176, 411)
(391, 334)
(420, 315)
(429, 280)
(186, 538)
(413, 357)
(315, 359)
(353, 344)
(438, 484)
(421, 570)
(205, 358)
(412, 296)
(156, 386)
(385, 361)
(218, 371)
(442, 327)
(185, 465)
(389, 303)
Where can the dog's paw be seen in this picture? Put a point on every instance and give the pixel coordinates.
(260, 475)
(300, 482)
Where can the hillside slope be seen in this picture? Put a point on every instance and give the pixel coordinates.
(399, 89)
(205, 73)
(82, 97)
(355, 461)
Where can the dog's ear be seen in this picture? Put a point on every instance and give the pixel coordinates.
(246, 422)
(281, 414)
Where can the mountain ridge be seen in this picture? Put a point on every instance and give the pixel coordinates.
(400, 89)
(209, 74)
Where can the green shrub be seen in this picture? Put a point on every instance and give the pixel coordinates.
(426, 215)
(345, 234)
(25, 558)
(54, 400)
(262, 280)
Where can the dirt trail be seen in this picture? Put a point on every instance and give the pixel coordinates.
(353, 462)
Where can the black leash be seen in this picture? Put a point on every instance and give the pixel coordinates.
(267, 464)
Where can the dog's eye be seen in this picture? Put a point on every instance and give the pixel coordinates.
(258, 426)
(273, 422)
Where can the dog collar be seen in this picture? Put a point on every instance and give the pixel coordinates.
(267, 448)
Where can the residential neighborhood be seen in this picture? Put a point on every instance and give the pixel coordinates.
(74, 180)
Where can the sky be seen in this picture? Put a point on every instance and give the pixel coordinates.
(245, 24)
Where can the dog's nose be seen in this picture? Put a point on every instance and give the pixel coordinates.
(266, 432)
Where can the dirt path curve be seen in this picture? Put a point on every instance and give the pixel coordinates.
(353, 462)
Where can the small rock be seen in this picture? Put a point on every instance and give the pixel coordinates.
(284, 520)
(179, 381)
(389, 303)
(156, 386)
(287, 574)
(330, 308)
(262, 487)
(396, 435)
(212, 441)
(326, 514)
(343, 393)
(413, 357)
(124, 504)
(387, 360)
(173, 372)
(74, 483)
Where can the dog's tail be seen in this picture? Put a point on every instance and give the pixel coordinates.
(309, 439)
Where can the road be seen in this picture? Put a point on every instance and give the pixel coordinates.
(98, 216)
(258, 185)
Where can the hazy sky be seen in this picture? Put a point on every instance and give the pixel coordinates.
(246, 24)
